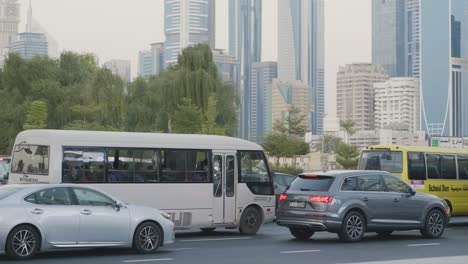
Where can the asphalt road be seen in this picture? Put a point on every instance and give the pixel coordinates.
(274, 244)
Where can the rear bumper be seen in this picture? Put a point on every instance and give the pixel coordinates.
(316, 222)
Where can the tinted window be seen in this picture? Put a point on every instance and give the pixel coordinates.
(416, 166)
(253, 167)
(83, 165)
(463, 167)
(230, 173)
(396, 185)
(120, 165)
(371, 183)
(146, 165)
(315, 183)
(30, 159)
(433, 166)
(51, 196)
(87, 197)
(350, 184)
(185, 166)
(390, 161)
(218, 176)
(448, 167)
(4, 164)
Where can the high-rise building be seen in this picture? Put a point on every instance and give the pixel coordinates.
(29, 45)
(187, 22)
(287, 94)
(245, 44)
(151, 62)
(262, 76)
(9, 20)
(121, 68)
(301, 50)
(228, 67)
(355, 93)
(397, 104)
(32, 25)
(388, 36)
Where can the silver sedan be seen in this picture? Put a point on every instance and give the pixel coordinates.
(64, 216)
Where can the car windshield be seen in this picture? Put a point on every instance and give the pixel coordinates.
(6, 191)
(390, 161)
(312, 183)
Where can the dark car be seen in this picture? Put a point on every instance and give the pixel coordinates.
(4, 168)
(351, 203)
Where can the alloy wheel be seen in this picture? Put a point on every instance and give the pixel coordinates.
(354, 227)
(148, 238)
(436, 224)
(24, 243)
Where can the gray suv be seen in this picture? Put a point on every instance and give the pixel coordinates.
(351, 203)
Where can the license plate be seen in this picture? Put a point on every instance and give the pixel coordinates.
(297, 204)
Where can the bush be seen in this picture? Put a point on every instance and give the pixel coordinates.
(287, 170)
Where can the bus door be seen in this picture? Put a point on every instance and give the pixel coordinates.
(224, 187)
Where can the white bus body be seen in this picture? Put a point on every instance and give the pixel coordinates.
(202, 181)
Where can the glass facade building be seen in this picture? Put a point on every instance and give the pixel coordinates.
(29, 45)
(245, 44)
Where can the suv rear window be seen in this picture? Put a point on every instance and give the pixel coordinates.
(312, 183)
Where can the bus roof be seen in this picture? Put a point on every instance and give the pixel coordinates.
(417, 149)
(132, 139)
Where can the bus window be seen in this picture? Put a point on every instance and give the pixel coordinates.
(30, 159)
(390, 161)
(120, 165)
(433, 166)
(462, 167)
(185, 166)
(416, 166)
(253, 167)
(83, 165)
(448, 167)
(146, 165)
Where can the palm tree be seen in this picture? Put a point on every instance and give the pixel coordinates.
(348, 127)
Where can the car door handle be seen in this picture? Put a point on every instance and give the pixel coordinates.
(365, 199)
(37, 211)
(86, 212)
(396, 200)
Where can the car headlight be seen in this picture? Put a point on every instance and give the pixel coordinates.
(166, 215)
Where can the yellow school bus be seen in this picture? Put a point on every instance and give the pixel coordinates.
(439, 171)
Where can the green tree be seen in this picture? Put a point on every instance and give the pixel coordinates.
(330, 143)
(36, 117)
(188, 118)
(294, 124)
(210, 126)
(347, 156)
(280, 145)
(348, 127)
(287, 170)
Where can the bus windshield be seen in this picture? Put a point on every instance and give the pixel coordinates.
(390, 161)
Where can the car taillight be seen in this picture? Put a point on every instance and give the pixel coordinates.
(321, 199)
(283, 197)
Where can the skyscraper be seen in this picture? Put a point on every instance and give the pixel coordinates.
(187, 22)
(355, 93)
(151, 62)
(228, 67)
(301, 50)
(121, 68)
(9, 20)
(245, 44)
(388, 36)
(261, 80)
(32, 25)
(29, 45)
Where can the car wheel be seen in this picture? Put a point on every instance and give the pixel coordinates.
(23, 242)
(434, 225)
(384, 233)
(250, 221)
(147, 238)
(353, 227)
(208, 230)
(301, 234)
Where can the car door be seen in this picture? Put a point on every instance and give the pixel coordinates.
(405, 208)
(52, 210)
(371, 192)
(101, 222)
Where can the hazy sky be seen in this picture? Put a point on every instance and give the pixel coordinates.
(118, 29)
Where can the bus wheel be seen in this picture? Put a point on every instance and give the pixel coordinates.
(250, 221)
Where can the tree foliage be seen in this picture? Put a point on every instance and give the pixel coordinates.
(330, 143)
(294, 124)
(36, 118)
(347, 156)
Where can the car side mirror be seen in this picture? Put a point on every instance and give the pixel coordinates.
(117, 205)
(412, 192)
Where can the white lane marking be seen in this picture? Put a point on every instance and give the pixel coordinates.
(300, 251)
(146, 260)
(214, 239)
(423, 245)
(179, 249)
(436, 260)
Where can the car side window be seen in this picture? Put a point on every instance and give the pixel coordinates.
(370, 183)
(350, 184)
(87, 197)
(396, 185)
(50, 196)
